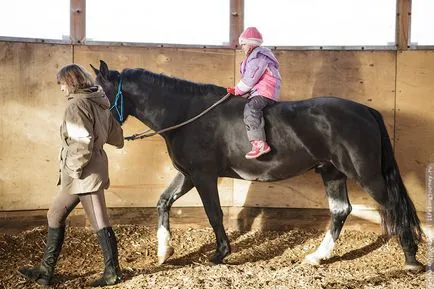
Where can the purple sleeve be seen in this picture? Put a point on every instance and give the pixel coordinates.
(255, 68)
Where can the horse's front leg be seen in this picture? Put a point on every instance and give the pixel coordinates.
(180, 185)
(206, 185)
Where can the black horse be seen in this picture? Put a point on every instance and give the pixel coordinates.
(338, 138)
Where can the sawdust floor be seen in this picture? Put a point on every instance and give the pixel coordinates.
(259, 259)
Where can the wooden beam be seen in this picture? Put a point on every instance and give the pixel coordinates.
(235, 218)
(403, 21)
(236, 21)
(78, 21)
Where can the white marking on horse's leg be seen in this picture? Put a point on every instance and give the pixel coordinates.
(323, 252)
(326, 248)
(164, 250)
(163, 237)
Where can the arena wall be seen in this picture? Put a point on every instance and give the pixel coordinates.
(398, 84)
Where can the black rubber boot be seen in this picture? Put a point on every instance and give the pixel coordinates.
(43, 273)
(112, 272)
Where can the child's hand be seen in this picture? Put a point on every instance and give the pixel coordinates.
(239, 91)
(231, 90)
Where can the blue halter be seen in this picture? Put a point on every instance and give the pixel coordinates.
(120, 110)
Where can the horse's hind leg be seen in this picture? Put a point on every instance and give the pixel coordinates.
(180, 185)
(340, 208)
(206, 185)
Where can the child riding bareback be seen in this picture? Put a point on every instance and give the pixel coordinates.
(260, 82)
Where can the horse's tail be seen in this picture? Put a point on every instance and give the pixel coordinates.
(399, 214)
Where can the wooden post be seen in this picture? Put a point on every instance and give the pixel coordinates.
(78, 21)
(403, 21)
(236, 21)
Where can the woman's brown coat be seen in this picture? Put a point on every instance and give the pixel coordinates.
(87, 125)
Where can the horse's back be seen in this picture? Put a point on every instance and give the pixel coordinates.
(317, 117)
(330, 129)
(304, 134)
(323, 103)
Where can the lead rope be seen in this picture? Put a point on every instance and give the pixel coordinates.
(147, 134)
(119, 95)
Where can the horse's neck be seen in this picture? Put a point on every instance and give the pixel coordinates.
(160, 109)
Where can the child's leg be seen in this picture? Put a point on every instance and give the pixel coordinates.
(253, 117)
(254, 120)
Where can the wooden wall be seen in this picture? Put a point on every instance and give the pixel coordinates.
(32, 108)
(415, 120)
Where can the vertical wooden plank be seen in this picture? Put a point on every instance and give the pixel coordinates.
(403, 21)
(236, 21)
(78, 21)
(415, 120)
(32, 107)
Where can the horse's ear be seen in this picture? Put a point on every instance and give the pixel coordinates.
(103, 68)
(96, 71)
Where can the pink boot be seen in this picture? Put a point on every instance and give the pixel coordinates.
(259, 148)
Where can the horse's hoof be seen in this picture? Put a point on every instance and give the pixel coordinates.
(311, 259)
(417, 266)
(211, 263)
(162, 258)
(216, 261)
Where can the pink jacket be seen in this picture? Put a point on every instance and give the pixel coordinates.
(260, 74)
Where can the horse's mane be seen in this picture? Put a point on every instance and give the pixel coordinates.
(172, 83)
